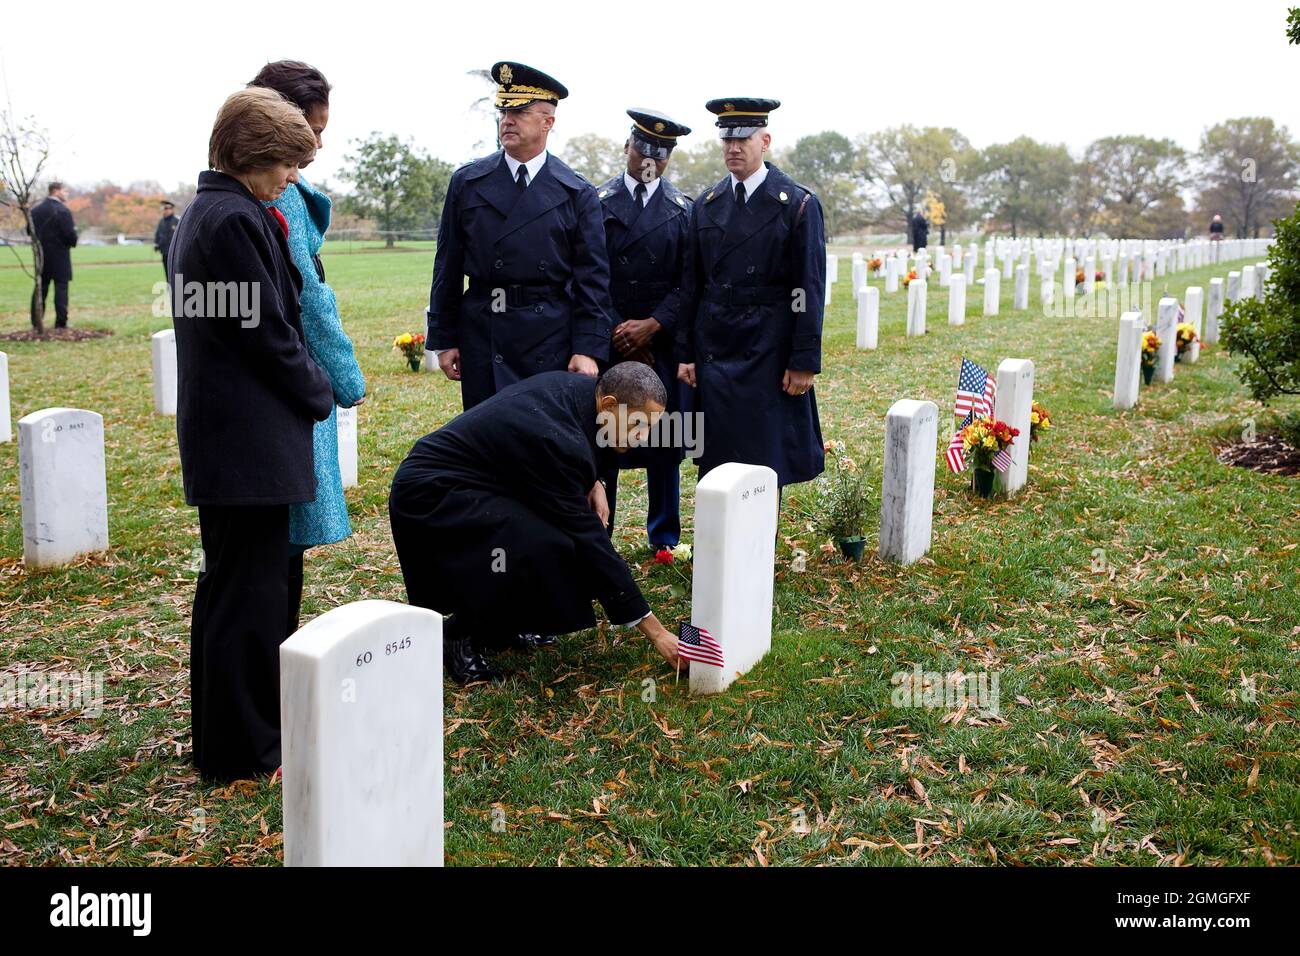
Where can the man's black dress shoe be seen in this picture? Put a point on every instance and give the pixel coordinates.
(531, 642)
(465, 663)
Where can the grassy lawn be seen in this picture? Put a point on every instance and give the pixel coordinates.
(1121, 601)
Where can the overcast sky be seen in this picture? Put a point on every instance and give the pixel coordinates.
(128, 90)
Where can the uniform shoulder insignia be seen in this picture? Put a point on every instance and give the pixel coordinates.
(681, 200)
(712, 193)
(603, 194)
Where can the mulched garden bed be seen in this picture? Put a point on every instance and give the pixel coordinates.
(1269, 454)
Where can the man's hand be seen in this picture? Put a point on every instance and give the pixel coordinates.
(584, 365)
(449, 362)
(635, 334)
(686, 373)
(599, 503)
(796, 383)
(665, 642)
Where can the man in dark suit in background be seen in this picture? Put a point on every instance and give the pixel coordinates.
(499, 521)
(162, 235)
(527, 231)
(646, 234)
(920, 228)
(57, 234)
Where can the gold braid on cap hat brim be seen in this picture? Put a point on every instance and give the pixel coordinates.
(512, 96)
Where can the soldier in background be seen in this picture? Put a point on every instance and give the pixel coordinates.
(646, 225)
(753, 292)
(166, 228)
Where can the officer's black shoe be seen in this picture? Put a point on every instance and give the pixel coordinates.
(465, 663)
(532, 642)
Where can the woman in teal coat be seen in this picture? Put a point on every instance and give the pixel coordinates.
(306, 213)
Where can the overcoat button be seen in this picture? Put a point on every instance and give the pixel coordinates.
(497, 359)
(498, 264)
(538, 308)
(750, 271)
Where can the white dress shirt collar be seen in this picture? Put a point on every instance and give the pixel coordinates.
(534, 165)
(752, 183)
(630, 182)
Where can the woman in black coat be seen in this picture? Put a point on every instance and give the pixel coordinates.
(248, 394)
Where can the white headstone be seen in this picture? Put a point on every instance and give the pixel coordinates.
(1213, 309)
(992, 281)
(868, 317)
(735, 551)
(164, 372)
(1234, 287)
(916, 292)
(6, 423)
(361, 719)
(347, 428)
(945, 269)
(1261, 278)
(1022, 287)
(1068, 280)
(1128, 360)
(891, 274)
(1167, 332)
(1013, 405)
(832, 268)
(1192, 314)
(62, 484)
(969, 263)
(1248, 278)
(859, 276)
(907, 495)
(957, 300)
(1089, 275)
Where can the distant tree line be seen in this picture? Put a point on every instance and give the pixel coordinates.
(1247, 170)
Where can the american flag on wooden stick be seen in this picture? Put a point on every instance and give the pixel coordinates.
(976, 390)
(697, 644)
(956, 453)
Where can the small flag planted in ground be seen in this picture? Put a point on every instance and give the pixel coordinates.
(956, 453)
(697, 644)
(976, 389)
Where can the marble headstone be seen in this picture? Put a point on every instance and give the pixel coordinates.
(6, 422)
(346, 419)
(1234, 287)
(1128, 360)
(907, 495)
(1192, 314)
(992, 281)
(1167, 332)
(735, 551)
(1013, 404)
(1213, 309)
(361, 717)
(957, 299)
(62, 485)
(164, 372)
(916, 292)
(1022, 287)
(868, 317)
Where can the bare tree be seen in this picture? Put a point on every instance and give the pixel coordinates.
(24, 150)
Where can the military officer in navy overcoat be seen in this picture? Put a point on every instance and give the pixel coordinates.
(751, 331)
(526, 229)
(646, 219)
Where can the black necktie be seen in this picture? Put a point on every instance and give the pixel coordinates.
(638, 195)
(740, 194)
(521, 178)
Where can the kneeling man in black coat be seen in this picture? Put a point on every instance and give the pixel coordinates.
(499, 520)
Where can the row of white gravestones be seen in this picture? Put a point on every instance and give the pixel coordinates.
(361, 717)
(62, 485)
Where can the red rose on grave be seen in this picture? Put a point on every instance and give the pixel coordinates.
(663, 556)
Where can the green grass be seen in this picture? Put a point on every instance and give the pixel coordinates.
(1119, 669)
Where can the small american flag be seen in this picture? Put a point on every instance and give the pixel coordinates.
(697, 644)
(1002, 460)
(956, 449)
(976, 389)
